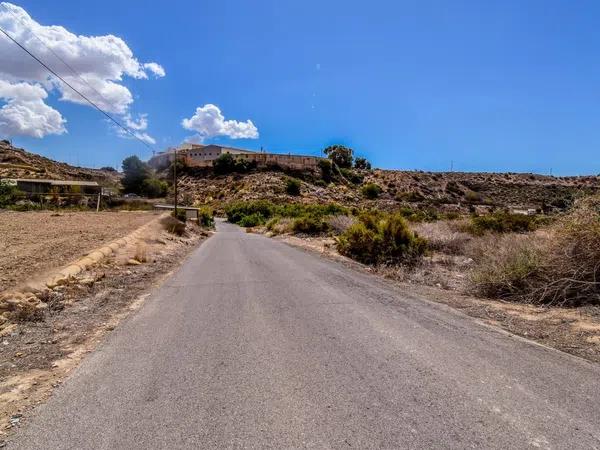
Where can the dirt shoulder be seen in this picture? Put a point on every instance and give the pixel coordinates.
(34, 243)
(572, 330)
(36, 355)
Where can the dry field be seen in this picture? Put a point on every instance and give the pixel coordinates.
(33, 243)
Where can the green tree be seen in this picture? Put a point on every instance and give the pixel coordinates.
(224, 164)
(326, 170)
(362, 164)
(154, 188)
(135, 172)
(340, 155)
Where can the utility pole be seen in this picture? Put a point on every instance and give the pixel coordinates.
(175, 180)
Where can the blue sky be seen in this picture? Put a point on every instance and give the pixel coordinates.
(490, 85)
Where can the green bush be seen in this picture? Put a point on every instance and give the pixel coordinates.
(361, 163)
(352, 176)
(293, 186)
(179, 214)
(419, 215)
(371, 191)
(154, 188)
(326, 170)
(503, 222)
(206, 217)
(227, 163)
(237, 211)
(9, 194)
(252, 220)
(381, 239)
(309, 225)
(410, 197)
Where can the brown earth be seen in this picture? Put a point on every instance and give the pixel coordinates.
(18, 163)
(35, 242)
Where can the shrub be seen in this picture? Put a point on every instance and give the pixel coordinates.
(227, 163)
(340, 223)
(558, 266)
(352, 176)
(362, 164)
(179, 214)
(411, 197)
(237, 211)
(442, 236)
(108, 169)
(503, 222)
(9, 194)
(326, 170)
(381, 239)
(206, 217)
(371, 191)
(173, 225)
(309, 225)
(292, 186)
(252, 220)
(154, 188)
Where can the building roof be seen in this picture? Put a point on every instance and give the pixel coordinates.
(55, 182)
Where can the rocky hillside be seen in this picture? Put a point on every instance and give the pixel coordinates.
(444, 191)
(18, 163)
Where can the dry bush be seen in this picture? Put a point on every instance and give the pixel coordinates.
(443, 236)
(560, 266)
(141, 252)
(172, 225)
(340, 223)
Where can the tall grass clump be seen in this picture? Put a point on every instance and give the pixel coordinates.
(379, 238)
(557, 266)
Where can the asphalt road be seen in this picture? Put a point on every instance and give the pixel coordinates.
(254, 344)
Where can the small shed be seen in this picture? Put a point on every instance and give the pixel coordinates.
(45, 186)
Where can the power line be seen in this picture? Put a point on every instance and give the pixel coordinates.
(123, 127)
(6, 8)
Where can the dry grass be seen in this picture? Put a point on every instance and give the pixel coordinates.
(340, 223)
(443, 236)
(141, 252)
(560, 266)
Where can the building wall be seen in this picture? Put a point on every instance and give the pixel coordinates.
(204, 155)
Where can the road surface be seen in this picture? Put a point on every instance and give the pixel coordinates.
(254, 344)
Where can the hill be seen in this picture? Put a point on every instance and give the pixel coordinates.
(19, 163)
(445, 191)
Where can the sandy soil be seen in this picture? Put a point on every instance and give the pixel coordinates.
(33, 243)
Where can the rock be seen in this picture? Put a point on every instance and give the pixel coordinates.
(133, 262)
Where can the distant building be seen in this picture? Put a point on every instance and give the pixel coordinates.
(199, 155)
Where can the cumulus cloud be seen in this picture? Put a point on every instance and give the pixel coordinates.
(208, 121)
(156, 69)
(100, 63)
(25, 112)
(138, 128)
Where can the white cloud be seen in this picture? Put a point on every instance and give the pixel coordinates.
(138, 128)
(100, 62)
(208, 121)
(156, 69)
(25, 113)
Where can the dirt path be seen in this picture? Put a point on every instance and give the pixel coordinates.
(33, 243)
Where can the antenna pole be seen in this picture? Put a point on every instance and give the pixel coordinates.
(175, 180)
